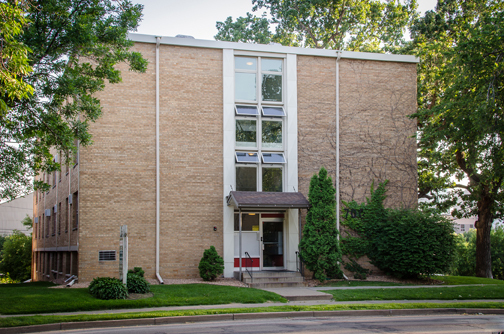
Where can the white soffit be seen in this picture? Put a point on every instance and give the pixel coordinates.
(202, 43)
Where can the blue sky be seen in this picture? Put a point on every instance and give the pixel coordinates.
(197, 17)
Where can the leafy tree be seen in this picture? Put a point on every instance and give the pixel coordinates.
(13, 54)
(27, 222)
(2, 241)
(460, 116)
(16, 256)
(74, 46)
(319, 246)
(355, 25)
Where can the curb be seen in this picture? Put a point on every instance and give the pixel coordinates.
(241, 316)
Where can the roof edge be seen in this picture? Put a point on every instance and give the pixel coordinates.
(203, 43)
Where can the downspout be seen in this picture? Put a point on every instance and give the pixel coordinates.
(240, 244)
(158, 41)
(337, 146)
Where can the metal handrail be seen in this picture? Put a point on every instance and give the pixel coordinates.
(251, 265)
(299, 263)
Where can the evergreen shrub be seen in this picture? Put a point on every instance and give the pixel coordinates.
(319, 246)
(211, 264)
(137, 284)
(107, 288)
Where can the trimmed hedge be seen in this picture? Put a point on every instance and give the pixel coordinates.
(108, 288)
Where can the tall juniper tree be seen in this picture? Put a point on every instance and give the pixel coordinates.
(319, 247)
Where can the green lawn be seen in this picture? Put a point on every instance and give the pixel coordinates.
(459, 280)
(49, 319)
(360, 283)
(441, 293)
(38, 298)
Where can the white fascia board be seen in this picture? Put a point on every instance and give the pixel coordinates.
(202, 43)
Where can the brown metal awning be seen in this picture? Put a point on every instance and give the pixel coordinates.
(253, 199)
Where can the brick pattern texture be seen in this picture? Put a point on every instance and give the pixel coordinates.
(118, 172)
(376, 141)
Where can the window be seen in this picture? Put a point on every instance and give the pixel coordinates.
(53, 223)
(246, 133)
(250, 157)
(76, 156)
(272, 179)
(259, 120)
(246, 178)
(59, 218)
(272, 134)
(250, 222)
(75, 210)
(66, 215)
(246, 110)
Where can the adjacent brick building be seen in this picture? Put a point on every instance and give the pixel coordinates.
(232, 117)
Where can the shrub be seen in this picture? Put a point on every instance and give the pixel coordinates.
(211, 264)
(357, 269)
(401, 242)
(412, 243)
(17, 256)
(319, 246)
(108, 288)
(136, 283)
(138, 271)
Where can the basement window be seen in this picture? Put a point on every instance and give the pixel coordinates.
(107, 255)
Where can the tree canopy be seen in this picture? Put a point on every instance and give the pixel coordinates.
(66, 51)
(354, 25)
(460, 116)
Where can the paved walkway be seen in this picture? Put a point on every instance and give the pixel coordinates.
(391, 287)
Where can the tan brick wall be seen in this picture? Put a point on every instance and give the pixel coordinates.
(44, 238)
(117, 177)
(376, 143)
(375, 134)
(191, 158)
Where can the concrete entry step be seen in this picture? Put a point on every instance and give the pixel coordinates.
(300, 293)
(274, 279)
(279, 279)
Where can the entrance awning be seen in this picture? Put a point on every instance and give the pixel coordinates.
(253, 199)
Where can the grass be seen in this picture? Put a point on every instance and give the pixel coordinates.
(36, 297)
(49, 319)
(441, 293)
(360, 283)
(459, 280)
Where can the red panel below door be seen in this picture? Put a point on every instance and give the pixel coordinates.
(246, 262)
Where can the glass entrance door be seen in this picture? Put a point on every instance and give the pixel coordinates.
(272, 248)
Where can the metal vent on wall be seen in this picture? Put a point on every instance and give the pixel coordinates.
(107, 255)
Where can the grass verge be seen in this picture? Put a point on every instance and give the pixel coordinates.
(50, 319)
(39, 298)
(459, 280)
(441, 293)
(360, 283)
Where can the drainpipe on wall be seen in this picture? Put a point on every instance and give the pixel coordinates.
(158, 41)
(337, 145)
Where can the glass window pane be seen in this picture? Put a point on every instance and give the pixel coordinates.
(246, 133)
(246, 179)
(247, 157)
(272, 134)
(273, 111)
(245, 86)
(273, 65)
(273, 158)
(250, 222)
(271, 87)
(247, 110)
(272, 179)
(244, 63)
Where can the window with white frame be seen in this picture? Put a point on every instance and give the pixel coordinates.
(259, 124)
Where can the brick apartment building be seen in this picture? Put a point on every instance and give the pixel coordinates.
(217, 130)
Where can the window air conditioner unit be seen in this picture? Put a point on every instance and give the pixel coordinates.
(47, 212)
(70, 199)
(55, 209)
